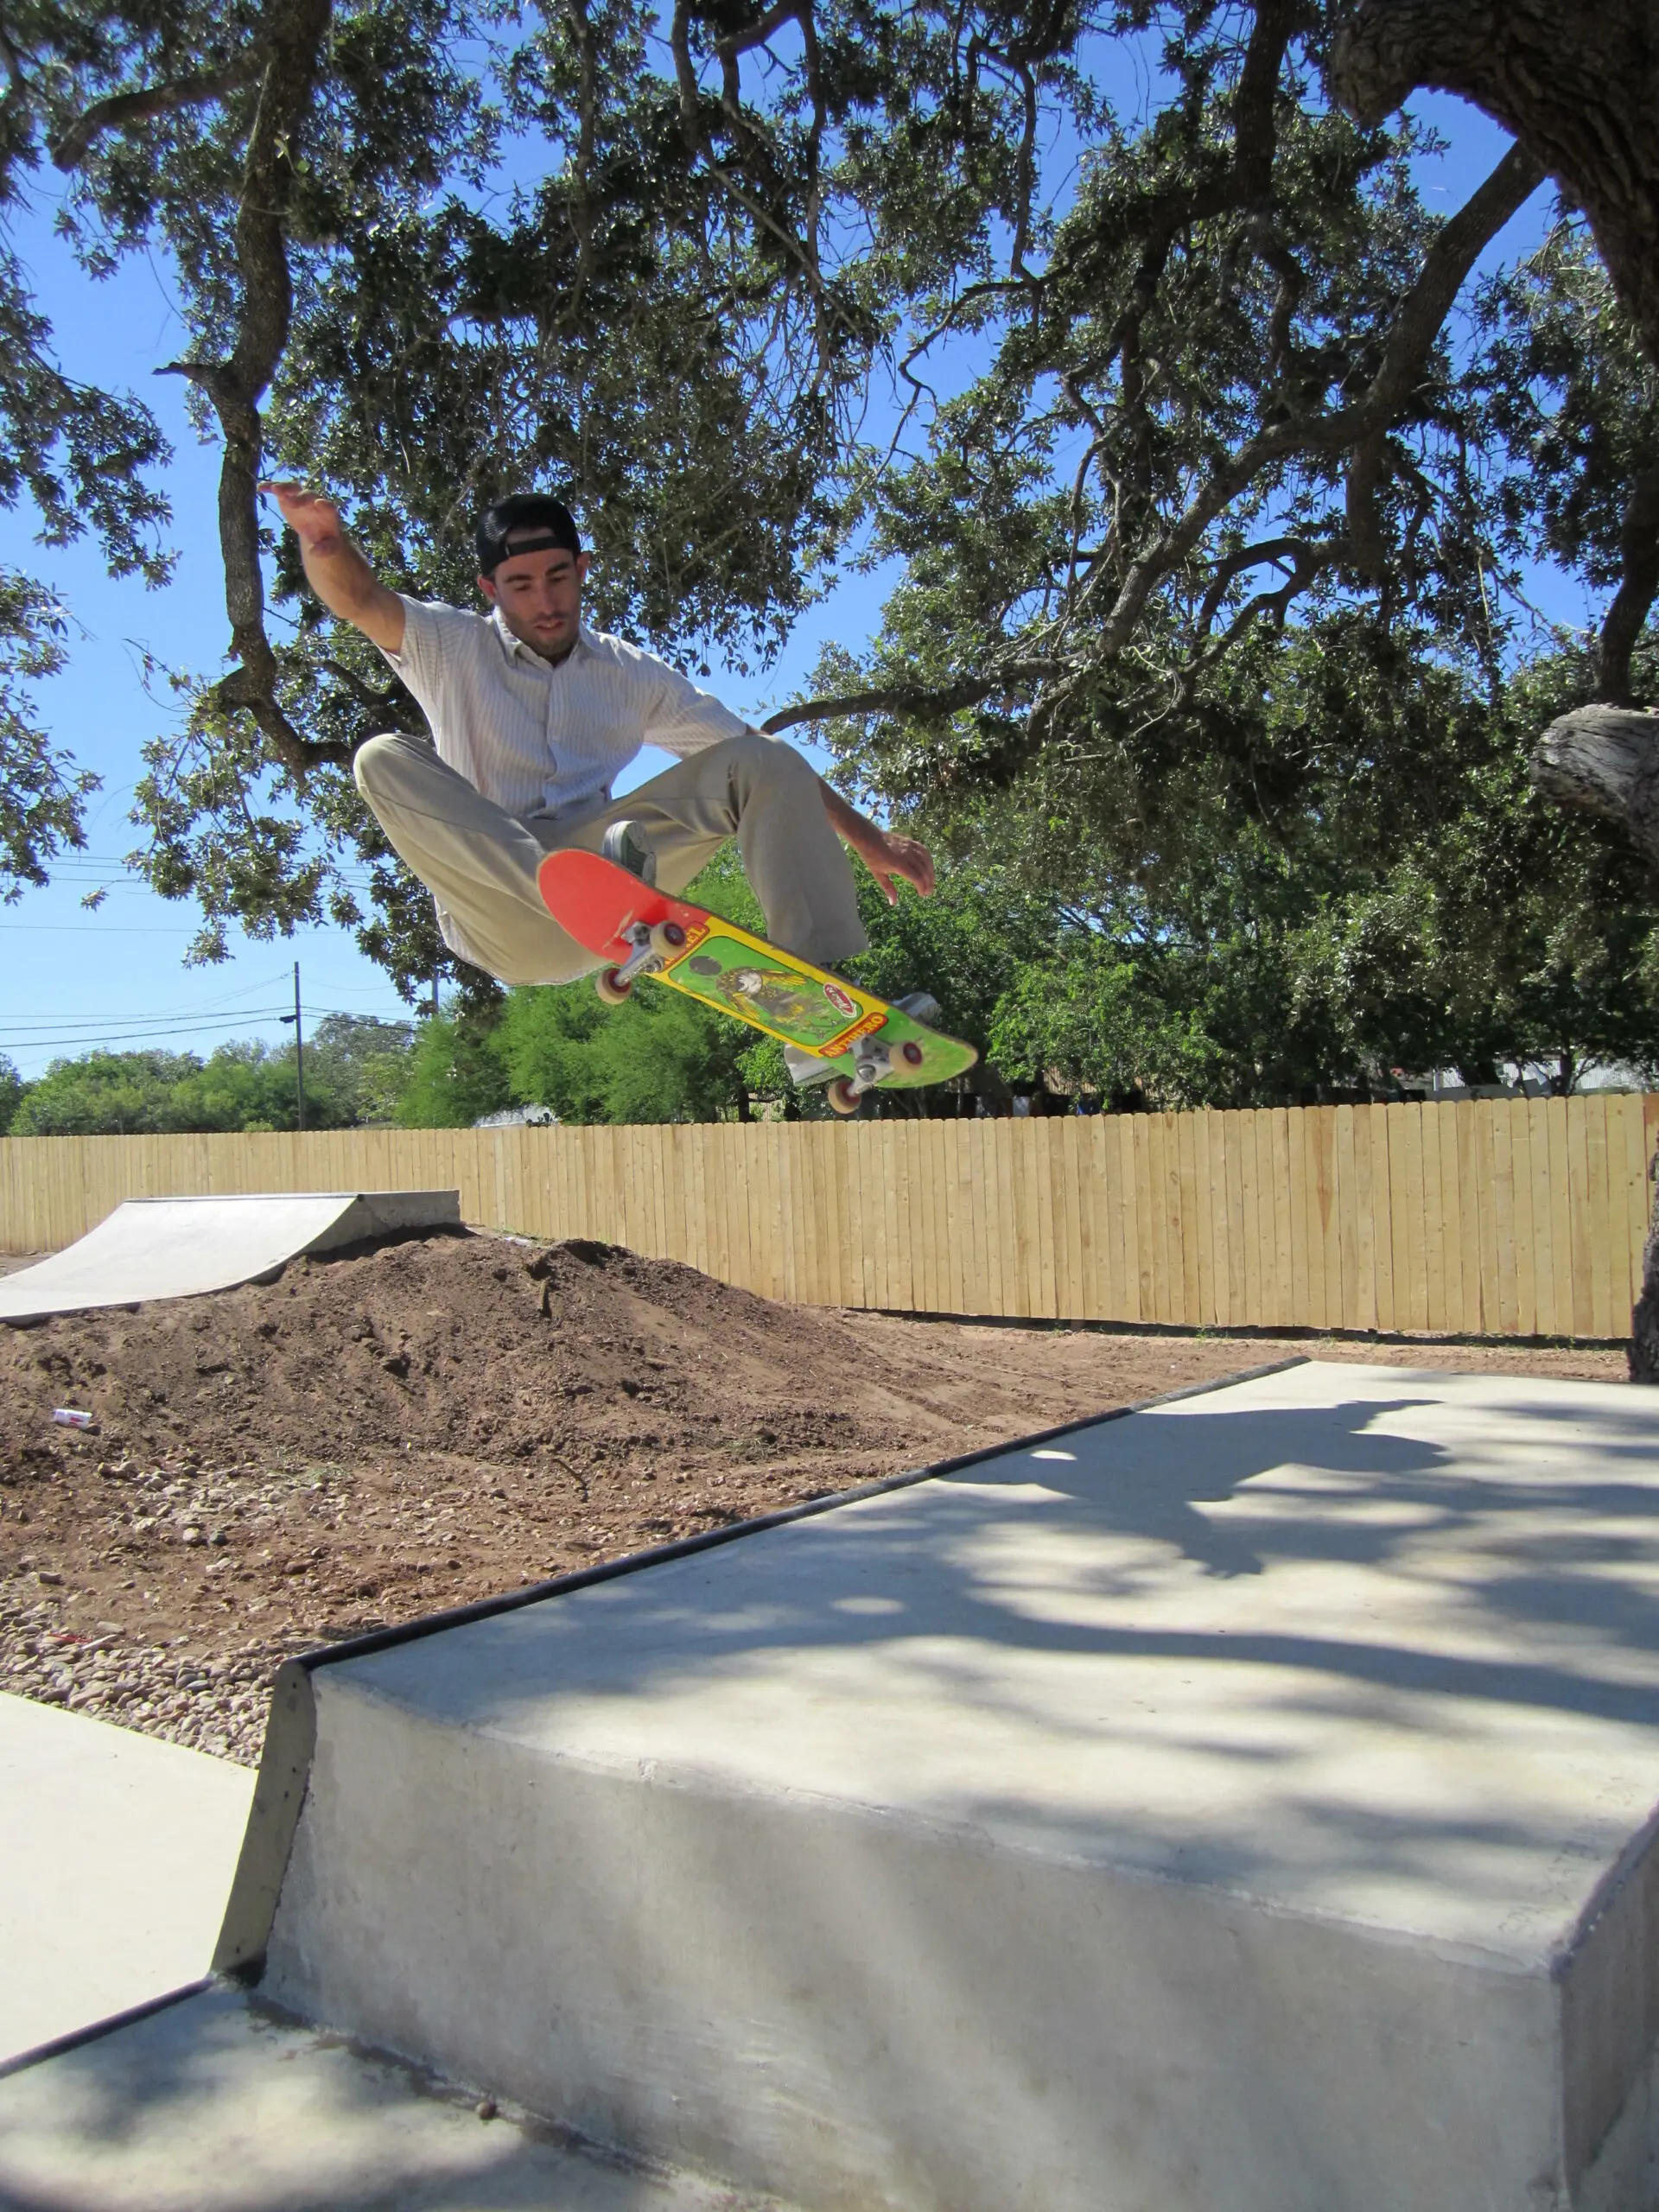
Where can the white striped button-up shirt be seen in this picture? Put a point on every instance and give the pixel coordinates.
(539, 737)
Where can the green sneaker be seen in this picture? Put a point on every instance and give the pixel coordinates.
(626, 845)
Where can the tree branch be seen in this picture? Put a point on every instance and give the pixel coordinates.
(1421, 317)
(292, 42)
(1638, 546)
(685, 78)
(1457, 245)
(1575, 84)
(1445, 267)
(298, 753)
(1278, 551)
(1388, 47)
(392, 700)
(758, 33)
(1308, 560)
(1246, 181)
(124, 108)
(915, 701)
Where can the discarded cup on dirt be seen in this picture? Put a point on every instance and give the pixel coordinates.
(71, 1417)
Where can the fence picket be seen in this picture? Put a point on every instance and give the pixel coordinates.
(1353, 1309)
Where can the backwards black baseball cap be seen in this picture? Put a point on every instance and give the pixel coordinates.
(541, 525)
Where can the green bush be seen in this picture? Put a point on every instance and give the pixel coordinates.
(455, 1074)
(243, 1087)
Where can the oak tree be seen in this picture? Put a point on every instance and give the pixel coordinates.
(1178, 364)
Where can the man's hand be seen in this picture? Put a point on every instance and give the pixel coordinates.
(892, 859)
(334, 568)
(312, 519)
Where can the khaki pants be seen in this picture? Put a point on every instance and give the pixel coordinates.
(480, 862)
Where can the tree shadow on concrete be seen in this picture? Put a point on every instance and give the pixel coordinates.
(222, 2102)
(1236, 1492)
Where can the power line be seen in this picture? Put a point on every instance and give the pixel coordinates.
(151, 1024)
(137, 1036)
(127, 1039)
(209, 1010)
(206, 1009)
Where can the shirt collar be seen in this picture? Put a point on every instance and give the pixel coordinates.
(514, 647)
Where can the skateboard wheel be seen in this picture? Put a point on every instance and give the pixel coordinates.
(911, 1054)
(612, 988)
(843, 1099)
(667, 940)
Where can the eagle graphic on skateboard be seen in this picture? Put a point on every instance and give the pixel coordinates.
(639, 931)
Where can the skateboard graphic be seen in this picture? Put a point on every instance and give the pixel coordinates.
(639, 931)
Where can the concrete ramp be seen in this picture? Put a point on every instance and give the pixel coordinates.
(179, 1248)
(1244, 1805)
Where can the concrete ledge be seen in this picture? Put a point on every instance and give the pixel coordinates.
(291, 1728)
(1245, 1806)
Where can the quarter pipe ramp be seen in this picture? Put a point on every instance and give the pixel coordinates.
(180, 1247)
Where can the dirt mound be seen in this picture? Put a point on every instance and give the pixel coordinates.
(553, 1359)
(389, 1430)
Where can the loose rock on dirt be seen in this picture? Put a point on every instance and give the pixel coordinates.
(390, 1430)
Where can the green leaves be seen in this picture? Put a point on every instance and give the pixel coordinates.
(41, 792)
(1354, 884)
(241, 1087)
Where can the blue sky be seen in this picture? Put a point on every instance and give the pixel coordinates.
(70, 979)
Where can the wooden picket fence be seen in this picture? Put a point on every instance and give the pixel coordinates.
(1501, 1217)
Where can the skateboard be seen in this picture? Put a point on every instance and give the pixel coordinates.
(638, 931)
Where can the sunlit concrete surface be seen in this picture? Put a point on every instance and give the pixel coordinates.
(180, 1247)
(116, 1856)
(1245, 1806)
(212, 2106)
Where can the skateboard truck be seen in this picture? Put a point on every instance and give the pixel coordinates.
(873, 1062)
(655, 945)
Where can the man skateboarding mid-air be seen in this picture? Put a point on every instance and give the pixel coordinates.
(533, 717)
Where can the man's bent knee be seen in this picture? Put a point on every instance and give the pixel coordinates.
(373, 758)
(769, 759)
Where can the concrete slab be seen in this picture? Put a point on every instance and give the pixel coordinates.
(116, 1857)
(213, 2106)
(180, 1247)
(1247, 1806)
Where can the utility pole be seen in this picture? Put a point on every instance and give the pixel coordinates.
(299, 1046)
(435, 994)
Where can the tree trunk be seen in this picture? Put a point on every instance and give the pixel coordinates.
(1575, 80)
(1644, 1321)
(1606, 760)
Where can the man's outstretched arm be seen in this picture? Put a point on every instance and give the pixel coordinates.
(334, 568)
(890, 857)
